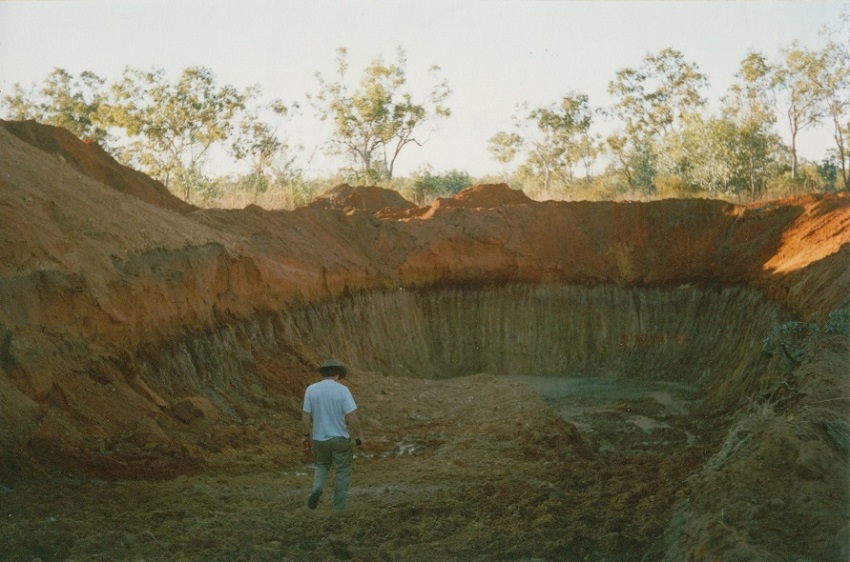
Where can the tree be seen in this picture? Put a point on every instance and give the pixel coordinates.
(589, 147)
(829, 72)
(712, 148)
(652, 103)
(172, 126)
(653, 99)
(564, 130)
(504, 148)
(63, 100)
(622, 151)
(556, 136)
(375, 122)
(257, 141)
(802, 105)
(749, 104)
(427, 185)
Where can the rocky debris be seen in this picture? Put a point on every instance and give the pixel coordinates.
(194, 408)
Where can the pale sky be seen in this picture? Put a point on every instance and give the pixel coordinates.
(494, 53)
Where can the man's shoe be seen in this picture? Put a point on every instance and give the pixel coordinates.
(314, 499)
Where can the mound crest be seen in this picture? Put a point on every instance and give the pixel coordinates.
(370, 199)
(93, 161)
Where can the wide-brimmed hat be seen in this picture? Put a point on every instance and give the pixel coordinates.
(331, 366)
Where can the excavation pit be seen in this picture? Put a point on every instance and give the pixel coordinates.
(153, 357)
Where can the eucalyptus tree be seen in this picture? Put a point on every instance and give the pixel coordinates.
(749, 104)
(565, 128)
(504, 147)
(256, 140)
(64, 100)
(651, 103)
(373, 123)
(171, 126)
(712, 148)
(620, 150)
(555, 137)
(829, 72)
(802, 105)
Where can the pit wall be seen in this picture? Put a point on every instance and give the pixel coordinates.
(688, 334)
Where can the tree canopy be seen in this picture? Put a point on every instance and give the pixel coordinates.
(656, 137)
(373, 123)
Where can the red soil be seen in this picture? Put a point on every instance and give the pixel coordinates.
(101, 269)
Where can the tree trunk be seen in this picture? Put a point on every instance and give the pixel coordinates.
(842, 156)
(839, 143)
(752, 170)
(794, 153)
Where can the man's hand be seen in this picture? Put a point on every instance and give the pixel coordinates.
(308, 446)
(352, 422)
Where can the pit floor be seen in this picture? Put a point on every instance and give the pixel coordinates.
(473, 468)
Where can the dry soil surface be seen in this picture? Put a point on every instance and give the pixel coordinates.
(475, 468)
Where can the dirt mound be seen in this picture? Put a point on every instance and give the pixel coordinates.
(141, 337)
(491, 195)
(370, 199)
(94, 162)
(485, 196)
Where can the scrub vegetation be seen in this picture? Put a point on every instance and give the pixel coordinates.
(657, 139)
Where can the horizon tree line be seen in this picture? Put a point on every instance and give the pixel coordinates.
(660, 140)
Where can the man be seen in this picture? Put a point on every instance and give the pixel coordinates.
(329, 410)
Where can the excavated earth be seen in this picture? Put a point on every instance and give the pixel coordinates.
(537, 381)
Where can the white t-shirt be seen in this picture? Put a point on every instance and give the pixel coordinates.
(329, 402)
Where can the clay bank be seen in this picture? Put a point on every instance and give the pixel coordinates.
(142, 338)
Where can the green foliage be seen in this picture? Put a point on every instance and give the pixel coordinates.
(672, 186)
(828, 72)
(372, 124)
(802, 107)
(63, 100)
(427, 185)
(654, 104)
(828, 172)
(644, 163)
(165, 128)
(172, 126)
(556, 138)
(666, 146)
(283, 188)
(256, 140)
(654, 98)
(838, 322)
(749, 105)
(788, 338)
(808, 180)
(504, 147)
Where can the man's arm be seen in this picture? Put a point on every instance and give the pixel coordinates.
(307, 424)
(353, 422)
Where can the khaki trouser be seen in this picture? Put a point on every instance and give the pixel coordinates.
(335, 452)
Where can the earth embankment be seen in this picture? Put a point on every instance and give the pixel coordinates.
(140, 336)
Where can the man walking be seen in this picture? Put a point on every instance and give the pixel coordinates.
(329, 410)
